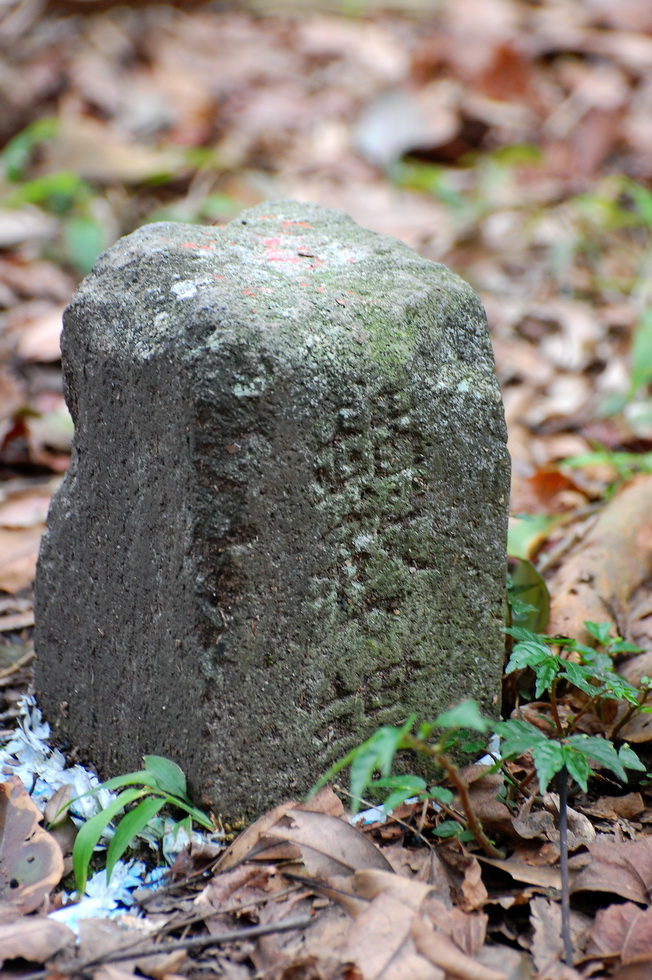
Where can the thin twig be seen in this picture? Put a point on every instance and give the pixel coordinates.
(453, 773)
(18, 664)
(562, 782)
(390, 816)
(196, 942)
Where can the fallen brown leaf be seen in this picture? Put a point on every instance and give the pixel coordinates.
(443, 952)
(34, 938)
(597, 582)
(610, 928)
(19, 551)
(618, 868)
(31, 863)
(528, 873)
(329, 845)
(253, 842)
(380, 942)
(626, 807)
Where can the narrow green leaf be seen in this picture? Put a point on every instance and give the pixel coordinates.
(521, 633)
(83, 239)
(622, 646)
(362, 769)
(545, 674)
(128, 779)
(579, 676)
(528, 589)
(641, 353)
(130, 825)
(528, 653)
(197, 815)
(90, 833)
(167, 776)
(405, 781)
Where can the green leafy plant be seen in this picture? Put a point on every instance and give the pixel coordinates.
(559, 751)
(161, 783)
(377, 754)
(592, 672)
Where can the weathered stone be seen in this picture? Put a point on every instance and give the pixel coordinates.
(284, 522)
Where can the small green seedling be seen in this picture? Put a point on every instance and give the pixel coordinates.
(560, 750)
(160, 783)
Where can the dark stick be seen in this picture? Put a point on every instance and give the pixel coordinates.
(562, 782)
(197, 942)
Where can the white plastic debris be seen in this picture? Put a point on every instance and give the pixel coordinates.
(42, 770)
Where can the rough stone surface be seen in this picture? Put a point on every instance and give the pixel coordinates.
(284, 522)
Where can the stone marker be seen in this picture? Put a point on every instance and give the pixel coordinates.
(284, 521)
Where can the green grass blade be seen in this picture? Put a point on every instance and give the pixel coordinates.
(167, 776)
(91, 832)
(142, 777)
(130, 825)
(197, 815)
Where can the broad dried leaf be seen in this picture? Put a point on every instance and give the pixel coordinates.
(638, 941)
(617, 868)
(39, 338)
(614, 560)
(547, 944)
(31, 863)
(34, 938)
(380, 943)
(18, 554)
(626, 807)
(610, 928)
(253, 842)
(92, 151)
(329, 846)
(442, 952)
(26, 508)
(528, 873)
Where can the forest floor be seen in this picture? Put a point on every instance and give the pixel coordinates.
(511, 140)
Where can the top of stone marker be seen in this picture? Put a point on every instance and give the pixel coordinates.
(282, 266)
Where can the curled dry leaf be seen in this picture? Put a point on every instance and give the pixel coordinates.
(443, 952)
(598, 581)
(380, 943)
(31, 863)
(329, 846)
(34, 938)
(19, 551)
(620, 868)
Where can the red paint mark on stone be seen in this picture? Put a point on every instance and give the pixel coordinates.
(281, 257)
(189, 245)
(248, 292)
(215, 276)
(271, 241)
(320, 289)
